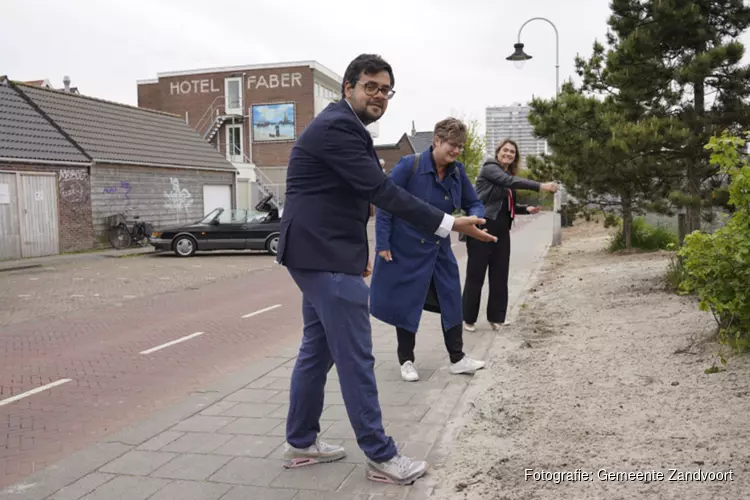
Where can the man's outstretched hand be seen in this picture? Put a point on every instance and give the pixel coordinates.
(468, 226)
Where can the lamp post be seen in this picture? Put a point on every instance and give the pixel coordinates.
(519, 57)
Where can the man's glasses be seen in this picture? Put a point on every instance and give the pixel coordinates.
(372, 89)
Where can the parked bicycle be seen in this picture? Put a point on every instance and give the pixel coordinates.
(120, 236)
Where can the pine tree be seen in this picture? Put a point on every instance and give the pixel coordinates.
(681, 59)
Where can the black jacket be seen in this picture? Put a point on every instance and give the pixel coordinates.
(332, 178)
(492, 186)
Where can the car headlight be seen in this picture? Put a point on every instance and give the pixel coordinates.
(156, 234)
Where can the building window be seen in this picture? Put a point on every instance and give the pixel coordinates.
(234, 143)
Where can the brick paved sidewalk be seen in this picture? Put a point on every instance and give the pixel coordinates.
(225, 443)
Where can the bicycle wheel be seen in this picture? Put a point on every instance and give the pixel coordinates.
(119, 237)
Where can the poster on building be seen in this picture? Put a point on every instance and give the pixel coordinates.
(273, 122)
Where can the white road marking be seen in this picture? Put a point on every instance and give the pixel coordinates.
(24, 296)
(128, 296)
(181, 339)
(34, 391)
(33, 279)
(270, 308)
(75, 295)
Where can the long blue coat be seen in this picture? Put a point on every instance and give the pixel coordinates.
(398, 289)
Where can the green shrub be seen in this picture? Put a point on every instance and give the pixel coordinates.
(643, 236)
(675, 273)
(717, 266)
(611, 219)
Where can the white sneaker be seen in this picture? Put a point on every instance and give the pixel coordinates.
(398, 470)
(409, 372)
(466, 365)
(496, 326)
(320, 452)
(470, 327)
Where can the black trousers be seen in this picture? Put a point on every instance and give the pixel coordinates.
(454, 336)
(454, 343)
(496, 256)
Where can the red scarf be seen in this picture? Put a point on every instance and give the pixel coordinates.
(512, 205)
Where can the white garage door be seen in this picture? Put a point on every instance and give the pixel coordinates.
(216, 197)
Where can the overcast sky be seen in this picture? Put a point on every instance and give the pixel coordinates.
(448, 56)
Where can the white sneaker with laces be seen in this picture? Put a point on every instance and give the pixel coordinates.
(409, 372)
(466, 365)
(318, 453)
(469, 327)
(398, 470)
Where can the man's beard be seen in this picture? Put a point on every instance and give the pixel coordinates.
(367, 117)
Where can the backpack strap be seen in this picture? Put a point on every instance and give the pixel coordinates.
(414, 165)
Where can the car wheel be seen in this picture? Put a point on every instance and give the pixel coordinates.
(184, 246)
(272, 244)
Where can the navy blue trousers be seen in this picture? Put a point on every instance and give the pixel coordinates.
(336, 331)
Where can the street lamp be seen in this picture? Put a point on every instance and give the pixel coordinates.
(519, 57)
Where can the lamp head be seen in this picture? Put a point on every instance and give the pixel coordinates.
(519, 57)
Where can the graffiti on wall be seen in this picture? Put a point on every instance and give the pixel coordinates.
(178, 199)
(73, 185)
(123, 188)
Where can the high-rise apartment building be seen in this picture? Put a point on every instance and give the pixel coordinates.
(512, 122)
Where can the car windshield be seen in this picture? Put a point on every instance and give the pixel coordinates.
(211, 216)
(256, 216)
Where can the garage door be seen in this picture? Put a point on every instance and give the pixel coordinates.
(216, 197)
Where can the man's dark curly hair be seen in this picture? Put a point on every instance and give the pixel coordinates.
(370, 64)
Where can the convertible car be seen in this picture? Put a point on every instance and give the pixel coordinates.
(224, 230)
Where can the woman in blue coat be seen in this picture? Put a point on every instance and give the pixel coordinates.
(414, 270)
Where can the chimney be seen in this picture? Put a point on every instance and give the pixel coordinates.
(413, 129)
(66, 82)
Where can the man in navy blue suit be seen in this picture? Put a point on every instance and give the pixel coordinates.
(333, 176)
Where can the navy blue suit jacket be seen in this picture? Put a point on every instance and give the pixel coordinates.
(332, 177)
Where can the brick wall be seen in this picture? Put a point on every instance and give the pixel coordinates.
(194, 94)
(73, 203)
(391, 154)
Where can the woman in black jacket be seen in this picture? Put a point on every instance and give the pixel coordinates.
(496, 186)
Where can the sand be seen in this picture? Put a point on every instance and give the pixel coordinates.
(601, 374)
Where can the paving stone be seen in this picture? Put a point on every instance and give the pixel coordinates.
(335, 412)
(218, 408)
(330, 495)
(191, 467)
(255, 426)
(280, 412)
(255, 493)
(252, 395)
(249, 471)
(191, 490)
(261, 383)
(250, 446)
(283, 372)
(319, 477)
(197, 442)
(255, 410)
(416, 449)
(357, 482)
(83, 486)
(341, 429)
(395, 398)
(408, 413)
(138, 463)
(127, 488)
(201, 423)
(160, 440)
(279, 384)
(414, 431)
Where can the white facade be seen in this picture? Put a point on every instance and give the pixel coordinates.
(512, 122)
